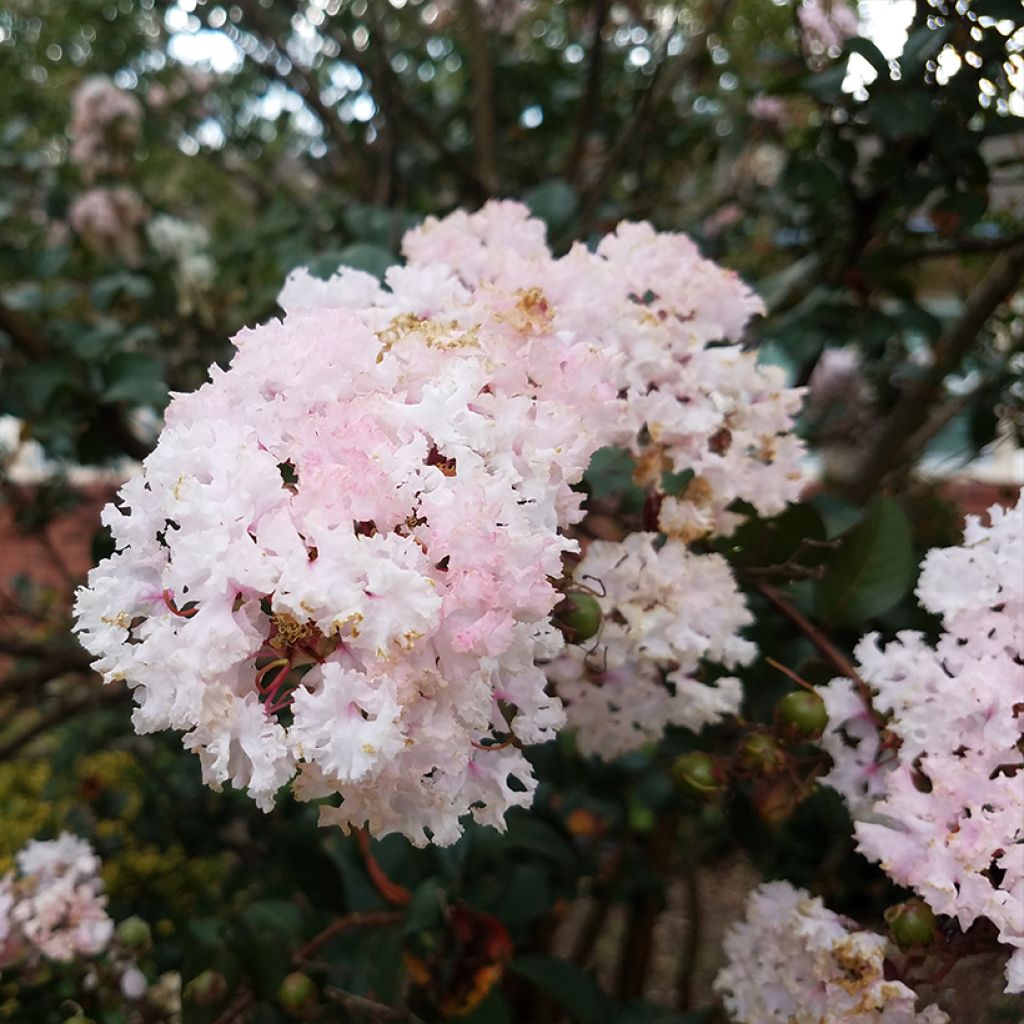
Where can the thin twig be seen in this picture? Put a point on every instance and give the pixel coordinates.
(369, 1009)
(789, 672)
(368, 919)
(891, 450)
(821, 642)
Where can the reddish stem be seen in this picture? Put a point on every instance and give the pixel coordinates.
(393, 892)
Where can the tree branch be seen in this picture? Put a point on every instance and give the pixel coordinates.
(914, 407)
(591, 94)
(668, 73)
(404, 107)
(644, 911)
(61, 713)
(299, 79)
(482, 75)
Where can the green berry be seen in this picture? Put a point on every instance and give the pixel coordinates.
(134, 933)
(578, 616)
(207, 989)
(298, 993)
(912, 923)
(695, 774)
(804, 712)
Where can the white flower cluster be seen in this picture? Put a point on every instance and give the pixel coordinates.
(664, 609)
(53, 905)
(337, 563)
(186, 244)
(108, 220)
(793, 961)
(938, 797)
(105, 123)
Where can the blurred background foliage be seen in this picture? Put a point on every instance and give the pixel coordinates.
(872, 190)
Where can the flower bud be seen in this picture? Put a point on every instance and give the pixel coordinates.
(912, 923)
(695, 775)
(298, 994)
(133, 932)
(578, 616)
(761, 755)
(804, 713)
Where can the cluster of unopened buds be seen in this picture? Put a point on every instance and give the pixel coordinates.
(338, 567)
(775, 761)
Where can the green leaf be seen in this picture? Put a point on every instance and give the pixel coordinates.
(265, 935)
(871, 53)
(572, 988)
(872, 569)
(426, 910)
(373, 259)
(377, 225)
(91, 343)
(903, 113)
(923, 44)
(135, 378)
(527, 896)
(533, 836)
(1001, 10)
(762, 542)
(828, 82)
(29, 390)
(109, 288)
(27, 298)
(554, 202)
(610, 474)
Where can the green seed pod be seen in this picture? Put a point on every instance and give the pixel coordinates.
(578, 616)
(761, 755)
(134, 933)
(694, 774)
(803, 712)
(298, 994)
(206, 989)
(912, 923)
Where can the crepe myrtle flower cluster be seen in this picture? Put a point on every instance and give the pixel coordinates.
(793, 961)
(664, 610)
(53, 904)
(932, 771)
(338, 567)
(105, 125)
(108, 221)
